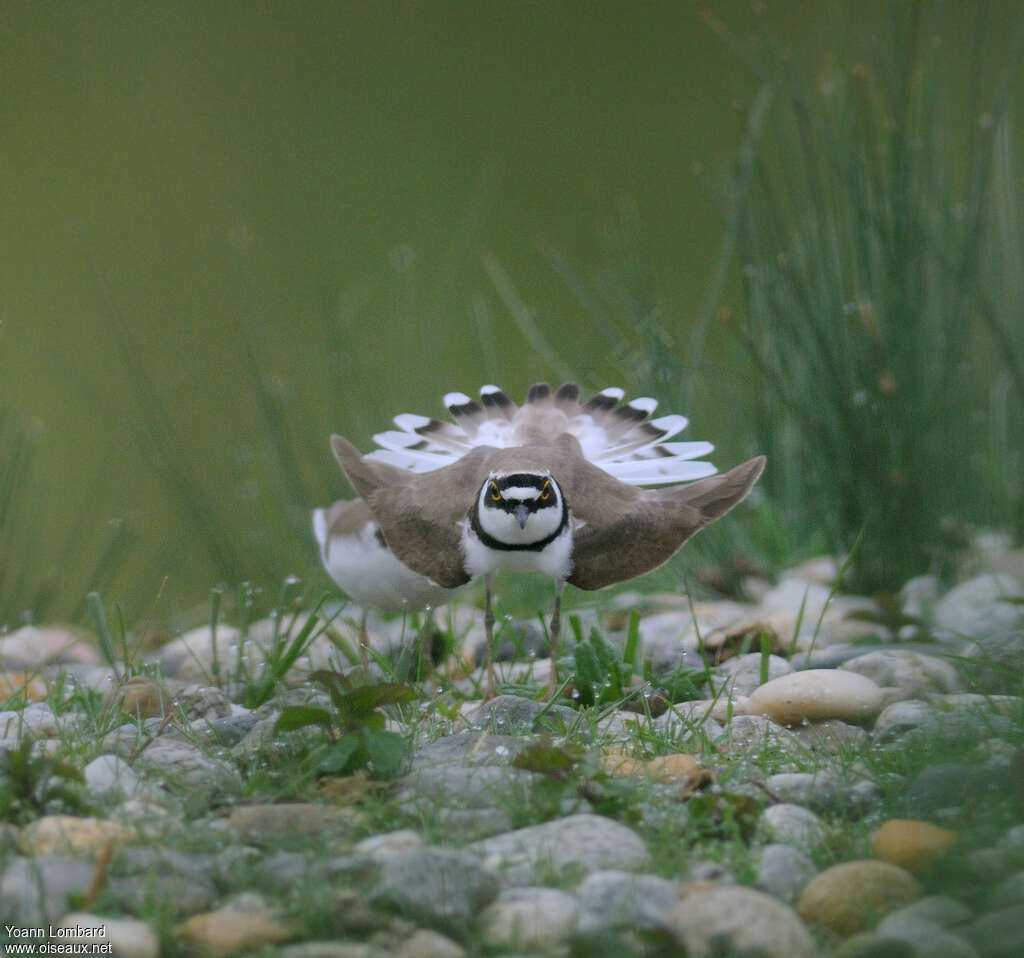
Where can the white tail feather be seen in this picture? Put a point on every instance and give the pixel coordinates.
(618, 438)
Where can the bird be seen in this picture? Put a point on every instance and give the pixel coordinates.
(552, 486)
(356, 556)
(617, 435)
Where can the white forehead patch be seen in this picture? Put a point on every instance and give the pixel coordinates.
(520, 493)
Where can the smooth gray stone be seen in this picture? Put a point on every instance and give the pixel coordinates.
(36, 891)
(434, 885)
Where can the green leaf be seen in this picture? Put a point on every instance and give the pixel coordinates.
(343, 755)
(299, 716)
(556, 761)
(336, 684)
(366, 698)
(385, 749)
(631, 653)
(588, 672)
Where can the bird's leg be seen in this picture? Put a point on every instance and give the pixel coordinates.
(364, 643)
(490, 690)
(556, 628)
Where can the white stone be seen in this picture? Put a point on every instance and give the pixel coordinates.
(426, 943)
(817, 694)
(783, 871)
(913, 673)
(733, 919)
(389, 843)
(928, 939)
(619, 900)
(901, 717)
(530, 918)
(919, 596)
(112, 775)
(741, 674)
(793, 825)
(36, 720)
(127, 937)
(33, 646)
(978, 607)
(588, 842)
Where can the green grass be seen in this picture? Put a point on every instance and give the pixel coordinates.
(859, 226)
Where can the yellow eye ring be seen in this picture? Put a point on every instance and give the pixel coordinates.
(545, 493)
(495, 492)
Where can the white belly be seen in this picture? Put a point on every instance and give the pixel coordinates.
(554, 560)
(372, 576)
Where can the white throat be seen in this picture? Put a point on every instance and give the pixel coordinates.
(519, 527)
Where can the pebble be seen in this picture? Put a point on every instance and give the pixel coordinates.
(389, 843)
(927, 938)
(71, 835)
(999, 934)
(190, 657)
(617, 900)
(747, 733)
(1003, 651)
(184, 768)
(34, 890)
(127, 937)
(912, 845)
(899, 718)
(818, 790)
(783, 871)
(142, 698)
(448, 788)
(529, 918)
(32, 647)
(867, 944)
(35, 721)
(940, 909)
(32, 686)
(513, 714)
(678, 767)
(817, 694)
(741, 674)
(1009, 892)
(426, 943)
(912, 673)
(713, 920)
(793, 825)
(469, 748)
(832, 736)
(699, 715)
(950, 784)
(244, 924)
(978, 608)
(851, 896)
(111, 776)
(438, 886)
(330, 949)
(584, 842)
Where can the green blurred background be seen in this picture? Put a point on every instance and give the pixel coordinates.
(230, 229)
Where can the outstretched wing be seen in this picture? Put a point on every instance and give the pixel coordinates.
(624, 536)
(419, 515)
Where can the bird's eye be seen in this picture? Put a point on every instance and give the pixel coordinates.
(495, 493)
(545, 493)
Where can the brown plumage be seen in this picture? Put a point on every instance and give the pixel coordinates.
(622, 531)
(619, 531)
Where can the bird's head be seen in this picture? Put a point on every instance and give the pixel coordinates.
(520, 509)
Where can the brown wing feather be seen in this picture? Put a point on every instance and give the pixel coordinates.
(419, 514)
(623, 538)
